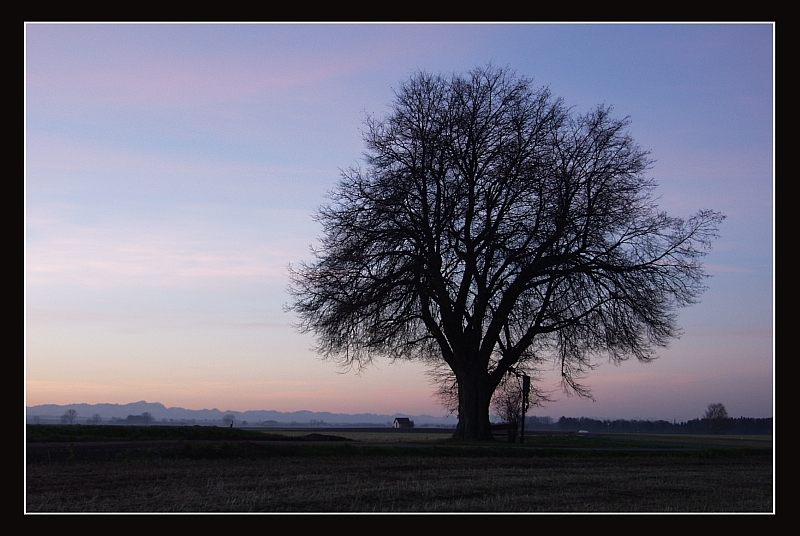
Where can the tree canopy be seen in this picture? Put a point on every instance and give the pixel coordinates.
(493, 227)
(716, 411)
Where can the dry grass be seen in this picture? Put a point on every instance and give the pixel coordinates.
(400, 478)
(376, 436)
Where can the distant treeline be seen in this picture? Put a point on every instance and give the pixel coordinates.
(740, 425)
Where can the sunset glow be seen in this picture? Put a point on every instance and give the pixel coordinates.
(172, 171)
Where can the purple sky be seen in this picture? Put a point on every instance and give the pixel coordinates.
(172, 172)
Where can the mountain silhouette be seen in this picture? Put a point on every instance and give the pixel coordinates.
(159, 411)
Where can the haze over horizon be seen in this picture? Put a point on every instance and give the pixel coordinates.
(437, 415)
(172, 171)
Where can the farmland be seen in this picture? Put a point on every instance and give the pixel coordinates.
(207, 469)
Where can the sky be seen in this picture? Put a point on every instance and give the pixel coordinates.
(172, 171)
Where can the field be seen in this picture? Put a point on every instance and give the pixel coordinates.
(206, 469)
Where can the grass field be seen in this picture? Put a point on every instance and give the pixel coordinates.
(206, 469)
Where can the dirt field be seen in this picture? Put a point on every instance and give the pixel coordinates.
(392, 473)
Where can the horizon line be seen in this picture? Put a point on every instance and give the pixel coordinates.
(394, 414)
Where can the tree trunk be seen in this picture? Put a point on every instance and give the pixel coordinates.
(474, 396)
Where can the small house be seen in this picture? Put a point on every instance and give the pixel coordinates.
(403, 423)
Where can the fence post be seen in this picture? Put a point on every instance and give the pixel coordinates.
(526, 389)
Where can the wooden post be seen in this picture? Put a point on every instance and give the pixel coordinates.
(526, 389)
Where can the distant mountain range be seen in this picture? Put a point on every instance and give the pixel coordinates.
(107, 412)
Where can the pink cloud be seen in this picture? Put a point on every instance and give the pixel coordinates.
(181, 256)
(96, 66)
(49, 158)
(181, 81)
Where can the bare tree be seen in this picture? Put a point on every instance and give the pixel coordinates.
(491, 228)
(507, 401)
(508, 398)
(96, 419)
(69, 416)
(445, 385)
(716, 411)
(228, 419)
(715, 417)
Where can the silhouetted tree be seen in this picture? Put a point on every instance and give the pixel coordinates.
(446, 385)
(715, 417)
(69, 416)
(716, 411)
(507, 400)
(96, 419)
(493, 227)
(228, 419)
